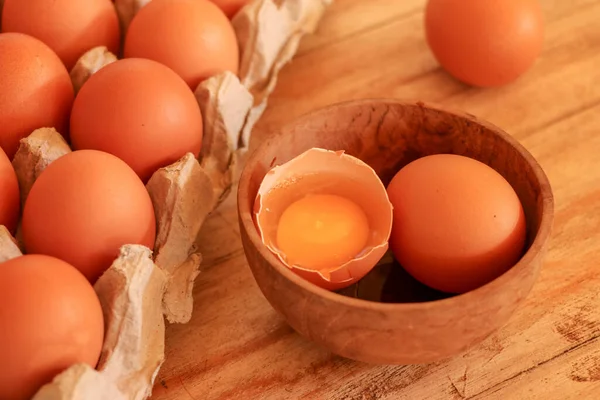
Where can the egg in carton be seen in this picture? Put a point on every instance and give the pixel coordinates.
(143, 286)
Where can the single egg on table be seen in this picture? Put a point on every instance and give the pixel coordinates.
(485, 43)
(35, 90)
(69, 27)
(192, 37)
(83, 207)
(10, 205)
(326, 216)
(140, 111)
(458, 224)
(50, 319)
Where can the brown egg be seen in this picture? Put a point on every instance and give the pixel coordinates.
(140, 111)
(458, 224)
(326, 216)
(84, 207)
(230, 7)
(9, 194)
(69, 27)
(36, 90)
(485, 43)
(50, 318)
(193, 37)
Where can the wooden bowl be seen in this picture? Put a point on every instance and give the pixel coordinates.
(388, 134)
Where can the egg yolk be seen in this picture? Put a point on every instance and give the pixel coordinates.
(322, 231)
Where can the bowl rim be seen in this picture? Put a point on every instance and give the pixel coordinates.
(537, 246)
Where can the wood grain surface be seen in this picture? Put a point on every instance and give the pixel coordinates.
(237, 347)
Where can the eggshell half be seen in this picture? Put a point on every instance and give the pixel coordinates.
(326, 172)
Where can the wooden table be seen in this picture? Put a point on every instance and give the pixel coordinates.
(237, 347)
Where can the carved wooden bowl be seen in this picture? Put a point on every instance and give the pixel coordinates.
(387, 135)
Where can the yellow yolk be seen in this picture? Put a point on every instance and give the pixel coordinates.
(322, 231)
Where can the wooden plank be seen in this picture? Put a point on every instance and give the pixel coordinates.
(238, 335)
(348, 18)
(394, 61)
(237, 347)
(581, 365)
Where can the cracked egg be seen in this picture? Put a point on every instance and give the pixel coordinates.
(326, 216)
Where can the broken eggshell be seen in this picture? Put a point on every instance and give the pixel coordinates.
(326, 172)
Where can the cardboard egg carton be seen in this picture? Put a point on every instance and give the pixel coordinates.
(143, 287)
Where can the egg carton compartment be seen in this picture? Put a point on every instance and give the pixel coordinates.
(144, 287)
